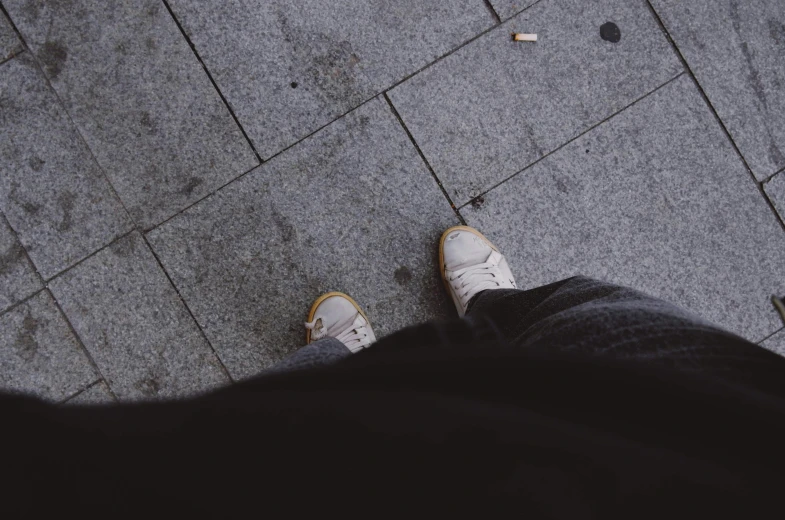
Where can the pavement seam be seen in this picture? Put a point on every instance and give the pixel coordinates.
(528, 166)
(493, 12)
(706, 100)
(770, 177)
(322, 127)
(187, 308)
(24, 249)
(81, 344)
(424, 160)
(212, 80)
(771, 335)
(519, 12)
(83, 390)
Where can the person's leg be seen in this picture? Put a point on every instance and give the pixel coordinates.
(585, 315)
(336, 328)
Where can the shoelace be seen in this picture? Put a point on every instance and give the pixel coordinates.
(470, 280)
(353, 337)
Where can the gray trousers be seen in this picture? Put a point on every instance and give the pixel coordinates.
(579, 315)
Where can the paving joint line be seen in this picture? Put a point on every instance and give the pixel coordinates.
(194, 203)
(80, 392)
(81, 137)
(770, 335)
(713, 110)
(81, 342)
(519, 12)
(322, 127)
(190, 313)
(24, 249)
(424, 160)
(767, 179)
(530, 165)
(212, 80)
(493, 12)
(14, 27)
(79, 262)
(23, 301)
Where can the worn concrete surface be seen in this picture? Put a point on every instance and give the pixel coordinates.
(496, 106)
(135, 326)
(140, 99)
(736, 50)
(351, 209)
(52, 192)
(288, 67)
(38, 352)
(637, 181)
(655, 198)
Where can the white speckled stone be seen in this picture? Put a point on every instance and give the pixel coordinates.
(134, 325)
(338, 54)
(140, 99)
(655, 198)
(352, 208)
(495, 106)
(51, 190)
(736, 49)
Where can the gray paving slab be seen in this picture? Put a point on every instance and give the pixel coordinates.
(775, 343)
(9, 43)
(495, 106)
(52, 191)
(655, 198)
(17, 275)
(288, 67)
(135, 326)
(139, 97)
(509, 8)
(775, 189)
(38, 352)
(99, 393)
(352, 208)
(736, 48)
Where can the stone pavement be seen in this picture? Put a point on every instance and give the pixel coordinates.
(179, 179)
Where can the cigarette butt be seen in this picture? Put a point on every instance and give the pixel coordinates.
(522, 37)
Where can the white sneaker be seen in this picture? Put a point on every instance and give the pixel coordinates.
(336, 315)
(470, 264)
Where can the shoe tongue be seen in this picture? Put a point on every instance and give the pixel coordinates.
(340, 326)
(467, 249)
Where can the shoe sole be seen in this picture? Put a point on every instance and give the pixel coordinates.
(318, 302)
(441, 257)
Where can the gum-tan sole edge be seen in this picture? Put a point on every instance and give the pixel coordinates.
(323, 297)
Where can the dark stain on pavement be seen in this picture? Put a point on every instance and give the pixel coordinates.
(610, 32)
(403, 275)
(11, 258)
(26, 344)
(66, 201)
(53, 56)
(36, 163)
(193, 183)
